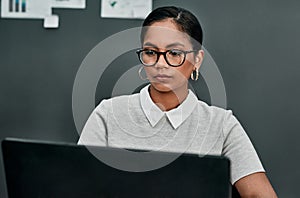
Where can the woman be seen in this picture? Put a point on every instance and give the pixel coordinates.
(166, 115)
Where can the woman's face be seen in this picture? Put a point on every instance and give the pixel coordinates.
(162, 36)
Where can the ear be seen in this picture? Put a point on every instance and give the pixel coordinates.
(198, 59)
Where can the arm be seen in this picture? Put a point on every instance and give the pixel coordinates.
(247, 172)
(95, 130)
(255, 185)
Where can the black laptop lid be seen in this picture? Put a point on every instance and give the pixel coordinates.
(43, 170)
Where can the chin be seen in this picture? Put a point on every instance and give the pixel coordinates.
(161, 87)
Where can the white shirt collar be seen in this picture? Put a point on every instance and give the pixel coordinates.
(176, 116)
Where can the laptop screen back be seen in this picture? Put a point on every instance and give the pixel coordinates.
(38, 169)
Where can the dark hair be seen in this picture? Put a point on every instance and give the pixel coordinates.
(184, 19)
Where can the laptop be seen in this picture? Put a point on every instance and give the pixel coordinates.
(40, 169)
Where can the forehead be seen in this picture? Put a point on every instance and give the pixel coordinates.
(165, 33)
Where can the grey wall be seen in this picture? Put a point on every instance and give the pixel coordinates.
(254, 43)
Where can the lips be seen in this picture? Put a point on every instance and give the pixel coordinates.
(162, 77)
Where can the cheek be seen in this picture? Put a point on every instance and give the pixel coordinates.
(149, 70)
(186, 70)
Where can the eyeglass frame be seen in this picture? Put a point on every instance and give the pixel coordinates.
(139, 51)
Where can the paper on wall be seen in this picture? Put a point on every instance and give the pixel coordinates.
(37, 9)
(34, 9)
(68, 4)
(126, 8)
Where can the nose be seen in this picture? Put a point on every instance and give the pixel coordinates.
(161, 62)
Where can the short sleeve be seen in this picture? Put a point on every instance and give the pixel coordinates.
(239, 149)
(95, 130)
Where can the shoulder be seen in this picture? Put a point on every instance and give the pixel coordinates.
(214, 112)
(219, 119)
(118, 102)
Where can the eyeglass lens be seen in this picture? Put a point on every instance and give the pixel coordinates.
(172, 57)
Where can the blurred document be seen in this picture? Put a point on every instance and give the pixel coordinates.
(126, 8)
(38, 9)
(68, 4)
(35, 9)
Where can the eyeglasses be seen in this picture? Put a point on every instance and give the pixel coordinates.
(173, 57)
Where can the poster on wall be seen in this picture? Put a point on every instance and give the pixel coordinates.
(38, 9)
(34, 9)
(136, 9)
(68, 4)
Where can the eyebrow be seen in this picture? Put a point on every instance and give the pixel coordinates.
(175, 44)
(150, 44)
(168, 46)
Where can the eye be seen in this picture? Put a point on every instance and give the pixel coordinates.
(175, 52)
(150, 52)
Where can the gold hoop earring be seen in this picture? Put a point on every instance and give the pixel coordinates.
(140, 75)
(197, 75)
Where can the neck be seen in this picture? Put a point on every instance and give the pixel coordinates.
(168, 100)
